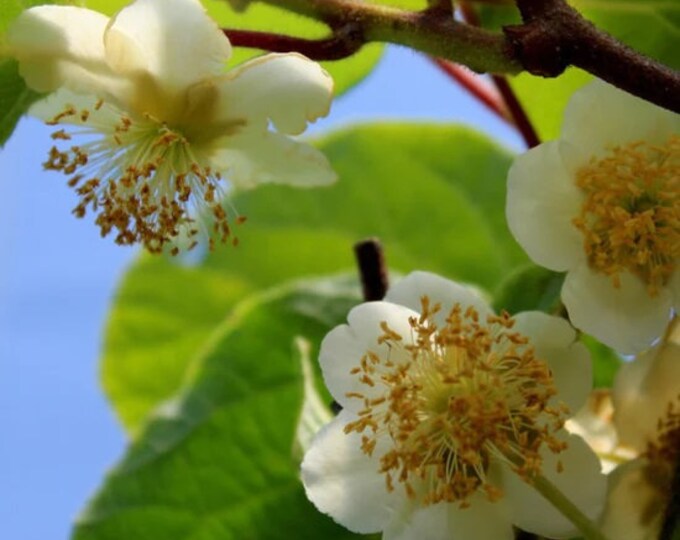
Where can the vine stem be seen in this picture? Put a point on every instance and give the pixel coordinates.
(552, 37)
(568, 509)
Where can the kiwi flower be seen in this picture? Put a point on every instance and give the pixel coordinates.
(602, 203)
(450, 417)
(151, 126)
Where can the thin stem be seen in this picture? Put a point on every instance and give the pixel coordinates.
(372, 269)
(343, 43)
(475, 87)
(519, 116)
(568, 509)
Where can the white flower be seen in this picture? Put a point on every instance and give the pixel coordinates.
(603, 204)
(447, 410)
(635, 430)
(647, 419)
(160, 123)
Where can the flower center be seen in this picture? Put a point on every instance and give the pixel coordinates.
(630, 217)
(468, 393)
(140, 178)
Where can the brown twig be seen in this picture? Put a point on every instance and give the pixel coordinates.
(554, 36)
(372, 269)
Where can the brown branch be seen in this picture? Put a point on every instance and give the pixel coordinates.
(554, 36)
(372, 269)
(344, 42)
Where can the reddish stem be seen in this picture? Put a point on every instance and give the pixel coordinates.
(343, 43)
(475, 86)
(517, 113)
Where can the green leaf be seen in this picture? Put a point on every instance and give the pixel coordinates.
(433, 194)
(15, 98)
(606, 362)
(218, 461)
(530, 288)
(649, 26)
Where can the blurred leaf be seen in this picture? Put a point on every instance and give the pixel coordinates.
(217, 462)
(606, 362)
(649, 26)
(530, 288)
(15, 98)
(346, 73)
(433, 194)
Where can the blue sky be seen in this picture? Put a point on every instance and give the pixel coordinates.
(56, 281)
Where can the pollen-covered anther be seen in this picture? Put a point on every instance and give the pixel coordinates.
(468, 392)
(140, 178)
(630, 218)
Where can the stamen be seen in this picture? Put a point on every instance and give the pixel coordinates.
(469, 392)
(630, 217)
(142, 179)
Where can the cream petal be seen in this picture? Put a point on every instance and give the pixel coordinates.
(482, 520)
(569, 360)
(642, 392)
(409, 291)
(287, 89)
(344, 483)
(634, 509)
(343, 347)
(600, 116)
(251, 158)
(174, 41)
(627, 318)
(57, 102)
(62, 46)
(542, 201)
(580, 481)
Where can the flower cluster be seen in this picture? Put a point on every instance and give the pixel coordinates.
(151, 123)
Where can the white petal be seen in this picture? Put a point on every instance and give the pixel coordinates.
(634, 508)
(252, 157)
(542, 202)
(580, 481)
(55, 103)
(174, 41)
(409, 291)
(643, 390)
(600, 116)
(344, 483)
(627, 318)
(287, 89)
(569, 360)
(483, 520)
(63, 46)
(343, 347)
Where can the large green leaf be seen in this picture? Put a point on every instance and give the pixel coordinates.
(218, 462)
(15, 98)
(649, 26)
(433, 194)
(257, 16)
